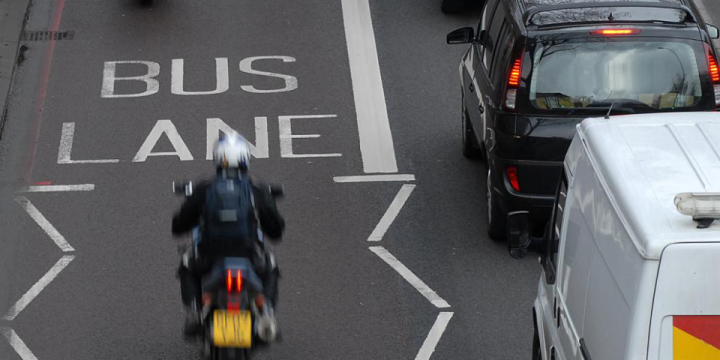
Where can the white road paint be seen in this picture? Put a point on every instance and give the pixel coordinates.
(109, 79)
(291, 82)
(408, 275)
(58, 188)
(65, 150)
(17, 344)
(391, 213)
(35, 290)
(374, 178)
(286, 136)
(44, 224)
(222, 78)
(376, 143)
(261, 149)
(436, 332)
(163, 127)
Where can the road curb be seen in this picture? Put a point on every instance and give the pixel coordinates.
(13, 15)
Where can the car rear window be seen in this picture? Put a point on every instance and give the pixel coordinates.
(653, 75)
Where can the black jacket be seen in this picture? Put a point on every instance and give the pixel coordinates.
(271, 222)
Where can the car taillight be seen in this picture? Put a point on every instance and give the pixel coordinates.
(615, 32)
(238, 281)
(229, 280)
(513, 83)
(714, 71)
(513, 177)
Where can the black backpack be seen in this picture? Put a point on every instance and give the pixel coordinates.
(230, 212)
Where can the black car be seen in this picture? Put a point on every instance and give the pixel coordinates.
(536, 68)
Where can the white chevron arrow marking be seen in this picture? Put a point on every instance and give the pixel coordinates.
(35, 290)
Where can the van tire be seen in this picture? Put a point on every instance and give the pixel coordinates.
(470, 147)
(454, 6)
(536, 352)
(496, 219)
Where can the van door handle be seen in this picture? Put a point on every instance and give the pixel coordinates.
(481, 109)
(472, 87)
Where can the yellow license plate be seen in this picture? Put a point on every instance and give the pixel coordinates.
(232, 328)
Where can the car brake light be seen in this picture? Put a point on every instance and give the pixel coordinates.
(714, 71)
(513, 83)
(514, 78)
(513, 177)
(615, 32)
(229, 281)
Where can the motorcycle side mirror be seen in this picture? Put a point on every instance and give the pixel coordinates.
(713, 31)
(277, 191)
(519, 238)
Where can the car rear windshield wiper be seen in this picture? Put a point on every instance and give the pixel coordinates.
(616, 109)
(624, 103)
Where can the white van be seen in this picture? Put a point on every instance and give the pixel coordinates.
(631, 256)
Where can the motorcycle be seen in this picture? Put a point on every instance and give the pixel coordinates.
(232, 302)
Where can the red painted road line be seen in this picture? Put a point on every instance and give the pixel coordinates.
(44, 79)
(42, 183)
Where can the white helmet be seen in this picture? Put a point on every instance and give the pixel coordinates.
(231, 151)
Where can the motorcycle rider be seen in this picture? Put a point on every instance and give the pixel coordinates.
(231, 156)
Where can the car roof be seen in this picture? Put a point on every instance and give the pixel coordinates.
(560, 2)
(645, 160)
(568, 12)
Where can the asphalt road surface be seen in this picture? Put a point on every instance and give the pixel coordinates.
(102, 120)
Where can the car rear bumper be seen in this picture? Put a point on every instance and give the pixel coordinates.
(538, 204)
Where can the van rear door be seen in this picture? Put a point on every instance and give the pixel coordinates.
(685, 320)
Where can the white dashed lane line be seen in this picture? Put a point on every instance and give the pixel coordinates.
(374, 178)
(17, 344)
(433, 338)
(392, 212)
(44, 224)
(35, 290)
(58, 188)
(408, 275)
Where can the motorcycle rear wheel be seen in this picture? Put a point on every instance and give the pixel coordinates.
(231, 354)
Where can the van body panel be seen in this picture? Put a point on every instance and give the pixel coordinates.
(687, 284)
(648, 159)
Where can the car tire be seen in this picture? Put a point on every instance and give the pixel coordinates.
(470, 147)
(454, 6)
(536, 352)
(496, 218)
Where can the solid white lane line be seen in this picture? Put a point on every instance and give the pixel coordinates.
(418, 284)
(374, 178)
(59, 188)
(392, 212)
(376, 143)
(436, 332)
(30, 295)
(17, 344)
(44, 224)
